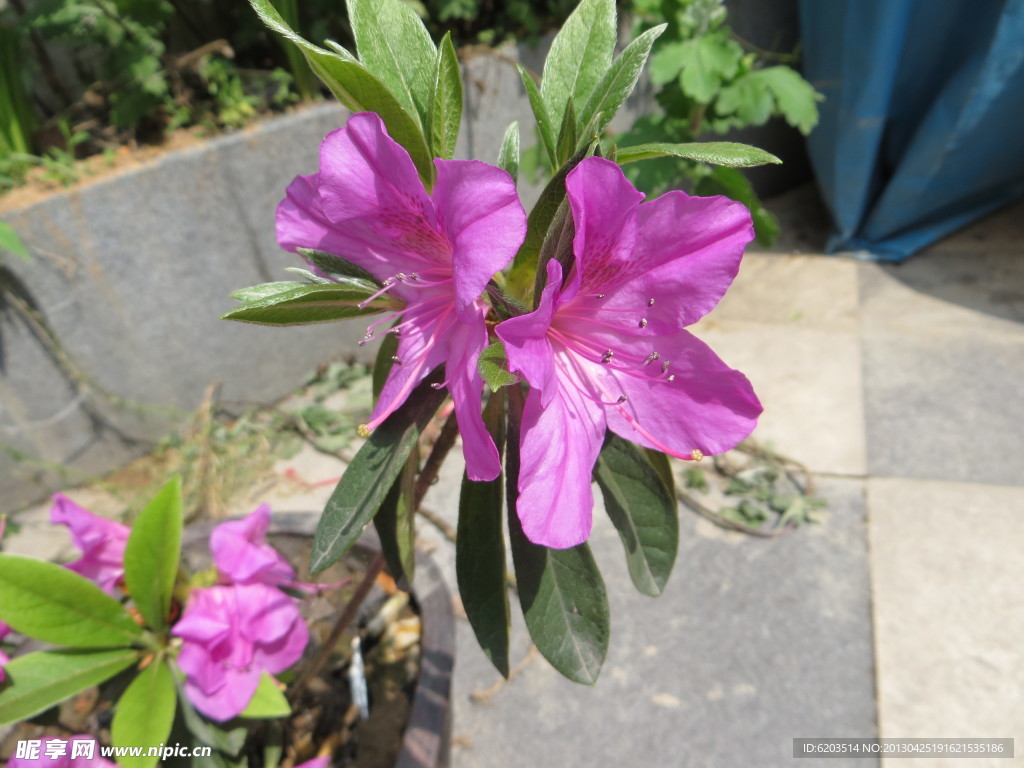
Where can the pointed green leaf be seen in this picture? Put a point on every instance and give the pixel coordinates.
(393, 44)
(564, 604)
(618, 82)
(151, 555)
(358, 89)
(561, 591)
(145, 713)
(55, 605)
(257, 292)
(508, 155)
(40, 680)
(446, 101)
(370, 475)
(580, 55)
(493, 367)
(268, 702)
(545, 125)
(566, 144)
(384, 363)
(337, 268)
(643, 511)
(520, 281)
(396, 524)
(727, 153)
(480, 553)
(12, 243)
(311, 303)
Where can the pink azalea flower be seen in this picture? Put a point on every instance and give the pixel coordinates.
(242, 554)
(607, 349)
(435, 252)
(231, 636)
(4, 658)
(101, 541)
(54, 752)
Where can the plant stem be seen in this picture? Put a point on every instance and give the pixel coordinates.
(438, 454)
(318, 662)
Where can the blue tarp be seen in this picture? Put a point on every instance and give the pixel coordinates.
(922, 127)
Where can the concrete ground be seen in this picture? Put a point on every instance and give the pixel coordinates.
(900, 615)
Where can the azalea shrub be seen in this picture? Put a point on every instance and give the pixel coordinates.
(556, 339)
(201, 648)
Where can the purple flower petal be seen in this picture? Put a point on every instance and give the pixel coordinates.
(465, 382)
(480, 212)
(436, 253)
(607, 349)
(558, 447)
(100, 540)
(243, 556)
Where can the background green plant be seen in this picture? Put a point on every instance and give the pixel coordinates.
(707, 80)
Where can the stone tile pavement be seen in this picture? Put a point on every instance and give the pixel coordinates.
(900, 615)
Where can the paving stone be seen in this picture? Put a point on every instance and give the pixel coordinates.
(947, 572)
(945, 406)
(754, 643)
(809, 382)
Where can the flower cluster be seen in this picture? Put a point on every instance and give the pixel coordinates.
(606, 346)
(233, 632)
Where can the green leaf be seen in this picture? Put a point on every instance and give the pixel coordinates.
(508, 155)
(358, 89)
(580, 55)
(145, 713)
(152, 553)
(666, 63)
(394, 45)
(371, 474)
(480, 553)
(40, 680)
(560, 590)
(520, 281)
(748, 98)
(618, 82)
(643, 511)
(11, 242)
(310, 303)
(268, 702)
(384, 363)
(706, 63)
(337, 268)
(545, 124)
(567, 136)
(396, 523)
(727, 153)
(795, 97)
(55, 605)
(258, 292)
(446, 101)
(493, 367)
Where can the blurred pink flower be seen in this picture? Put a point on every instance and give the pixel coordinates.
(231, 636)
(101, 541)
(242, 554)
(434, 252)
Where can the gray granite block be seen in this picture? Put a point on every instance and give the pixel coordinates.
(945, 406)
(754, 643)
